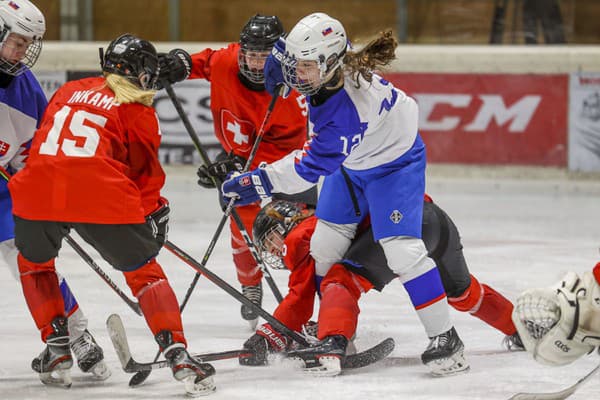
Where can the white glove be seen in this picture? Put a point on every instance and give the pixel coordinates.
(561, 323)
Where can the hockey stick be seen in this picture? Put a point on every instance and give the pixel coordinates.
(90, 261)
(560, 395)
(118, 337)
(201, 269)
(86, 257)
(139, 378)
(206, 160)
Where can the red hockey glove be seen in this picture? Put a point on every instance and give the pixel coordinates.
(266, 340)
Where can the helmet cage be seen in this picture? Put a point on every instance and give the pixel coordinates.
(271, 247)
(27, 62)
(133, 58)
(271, 226)
(22, 18)
(254, 75)
(326, 71)
(258, 36)
(319, 38)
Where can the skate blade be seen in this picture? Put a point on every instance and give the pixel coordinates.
(329, 366)
(202, 388)
(100, 371)
(57, 378)
(453, 365)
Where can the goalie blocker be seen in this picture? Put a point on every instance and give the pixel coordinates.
(561, 323)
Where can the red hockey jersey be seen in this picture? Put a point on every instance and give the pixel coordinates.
(238, 112)
(91, 160)
(297, 306)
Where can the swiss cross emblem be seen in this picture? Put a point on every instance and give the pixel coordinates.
(238, 133)
(4, 148)
(396, 216)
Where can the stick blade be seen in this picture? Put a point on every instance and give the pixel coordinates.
(370, 356)
(117, 334)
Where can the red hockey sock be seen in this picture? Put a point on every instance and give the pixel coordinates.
(42, 293)
(485, 303)
(248, 272)
(340, 291)
(157, 300)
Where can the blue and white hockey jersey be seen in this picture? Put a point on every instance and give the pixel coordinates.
(22, 104)
(359, 128)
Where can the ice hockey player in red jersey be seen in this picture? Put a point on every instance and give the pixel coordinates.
(561, 323)
(24, 102)
(283, 231)
(238, 102)
(93, 168)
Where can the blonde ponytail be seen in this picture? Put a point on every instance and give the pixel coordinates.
(127, 92)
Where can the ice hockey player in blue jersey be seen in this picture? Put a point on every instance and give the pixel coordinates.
(22, 103)
(365, 142)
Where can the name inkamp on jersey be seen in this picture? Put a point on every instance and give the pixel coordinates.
(99, 100)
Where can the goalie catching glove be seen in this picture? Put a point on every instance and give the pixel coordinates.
(265, 341)
(560, 324)
(218, 171)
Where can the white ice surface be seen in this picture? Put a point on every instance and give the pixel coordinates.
(517, 233)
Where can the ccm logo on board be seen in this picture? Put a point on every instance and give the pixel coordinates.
(516, 116)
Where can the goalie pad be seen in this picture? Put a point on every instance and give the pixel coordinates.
(560, 324)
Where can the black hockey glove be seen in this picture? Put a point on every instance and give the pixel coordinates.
(159, 222)
(266, 340)
(219, 170)
(175, 66)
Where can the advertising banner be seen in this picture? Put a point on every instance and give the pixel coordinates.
(584, 122)
(518, 119)
(490, 118)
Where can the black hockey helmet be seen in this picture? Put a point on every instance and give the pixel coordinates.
(134, 58)
(271, 226)
(258, 36)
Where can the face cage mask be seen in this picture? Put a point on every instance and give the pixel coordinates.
(254, 76)
(272, 241)
(31, 55)
(291, 77)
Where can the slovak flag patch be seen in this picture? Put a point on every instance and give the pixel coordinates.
(327, 31)
(4, 148)
(245, 181)
(13, 5)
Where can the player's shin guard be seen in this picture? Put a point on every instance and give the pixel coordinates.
(42, 293)
(485, 303)
(157, 300)
(427, 295)
(338, 313)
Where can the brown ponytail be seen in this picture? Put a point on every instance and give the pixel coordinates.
(377, 53)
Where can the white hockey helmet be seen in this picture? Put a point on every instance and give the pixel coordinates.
(23, 18)
(316, 37)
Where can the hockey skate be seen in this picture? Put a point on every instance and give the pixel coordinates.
(310, 330)
(55, 362)
(513, 342)
(445, 354)
(254, 294)
(90, 357)
(196, 376)
(323, 359)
